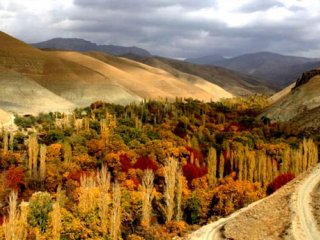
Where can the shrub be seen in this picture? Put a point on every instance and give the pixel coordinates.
(39, 207)
(192, 210)
(279, 181)
(14, 178)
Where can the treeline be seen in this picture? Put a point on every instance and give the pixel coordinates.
(142, 171)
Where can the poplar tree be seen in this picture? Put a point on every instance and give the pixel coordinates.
(170, 170)
(147, 188)
(212, 166)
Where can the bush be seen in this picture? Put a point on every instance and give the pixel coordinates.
(39, 207)
(279, 181)
(192, 210)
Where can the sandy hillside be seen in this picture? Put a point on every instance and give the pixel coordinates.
(71, 81)
(5, 117)
(238, 84)
(23, 95)
(147, 81)
(281, 94)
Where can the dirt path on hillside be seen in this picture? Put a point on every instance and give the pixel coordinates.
(304, 225)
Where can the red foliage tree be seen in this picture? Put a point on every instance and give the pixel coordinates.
(15, 178)
(191, 171)
(144, 163)
(125, 163)
(279, 181)
(196, 154)
(76, 175)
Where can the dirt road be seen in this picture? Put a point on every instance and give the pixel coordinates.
(304, 225)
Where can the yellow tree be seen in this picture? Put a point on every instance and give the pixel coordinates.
(147, 191)
(212, 166)
(170, 170)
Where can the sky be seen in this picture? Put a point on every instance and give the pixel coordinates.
(172, 28)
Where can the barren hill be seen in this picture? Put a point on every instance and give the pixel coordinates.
(4, 117)
(34, 80)
(143, 80)
(304, 97)
(71, 81)
(238, 84)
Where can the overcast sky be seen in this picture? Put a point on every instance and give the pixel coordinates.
(172, 28)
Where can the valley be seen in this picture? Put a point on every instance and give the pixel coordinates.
(110, 142)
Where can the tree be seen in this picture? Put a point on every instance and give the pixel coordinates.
(40, 205)
(15, 227)
(33, 150)
(5, 142)
(42, 170)
(103, 180)
(147, 189)
(212, 166)
(170, 170)
(116, 212)
(221, 166)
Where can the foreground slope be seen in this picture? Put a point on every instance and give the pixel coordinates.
(304, 97)
(143, 80)
(238, 84)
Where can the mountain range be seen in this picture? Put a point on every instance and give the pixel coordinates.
(81, 45)
(277, 71)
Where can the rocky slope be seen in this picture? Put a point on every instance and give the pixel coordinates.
(299, 102)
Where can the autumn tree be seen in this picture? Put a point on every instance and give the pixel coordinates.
(15, 227)
(116, 212)
(42, 170)
(221, 166)
(5, 141)
(170, 171)
(103, 180)
(33, 151)
(147, 191)
(40, 205)
(212, 166)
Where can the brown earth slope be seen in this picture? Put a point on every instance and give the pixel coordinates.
(238, 84)
(143, 80)
(33, 80)
(73, 82)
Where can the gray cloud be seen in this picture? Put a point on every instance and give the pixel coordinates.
(255, 6)
(181, 28)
